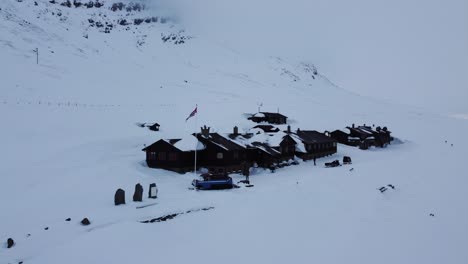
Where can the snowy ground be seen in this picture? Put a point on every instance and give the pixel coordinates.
(69, 140)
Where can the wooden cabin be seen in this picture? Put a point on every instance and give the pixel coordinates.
(174, 154)
(272, 118)
(363, 136)
(315, 144)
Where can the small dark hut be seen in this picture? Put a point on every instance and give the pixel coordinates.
(272, 118)
(154, 127)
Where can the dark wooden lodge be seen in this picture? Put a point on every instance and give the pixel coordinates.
(165, 154)
(272, 118)
(234, 152)
(315, 144)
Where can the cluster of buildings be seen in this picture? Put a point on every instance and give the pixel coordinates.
(363, 136)
(265, 145)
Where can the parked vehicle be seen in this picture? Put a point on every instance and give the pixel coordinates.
(332, 164)
(213, 181)
(346, 160)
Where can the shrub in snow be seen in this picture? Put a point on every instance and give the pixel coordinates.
(77, 3)
(138, 21)
(117, 6)
(66, 3)
(123, 22)
(90, 4)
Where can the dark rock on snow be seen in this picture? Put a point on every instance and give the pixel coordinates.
(119, 197)
(10, 242)
(68, 219)
(85, 222)
(138, 195)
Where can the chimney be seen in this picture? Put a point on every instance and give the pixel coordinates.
(298, 130)
(205, 131)
(289, 129)
(353, 125)
(236, 131)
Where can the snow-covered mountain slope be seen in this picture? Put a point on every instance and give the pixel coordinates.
(69, 140)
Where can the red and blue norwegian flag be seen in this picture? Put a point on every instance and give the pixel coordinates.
(194, 112)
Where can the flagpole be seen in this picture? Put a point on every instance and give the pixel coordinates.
(196, 146)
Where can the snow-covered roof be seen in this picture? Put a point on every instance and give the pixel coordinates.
(258, 115)
(299, 145)
(188, 143)
(222, 141)
(265, 148)
(272, 139)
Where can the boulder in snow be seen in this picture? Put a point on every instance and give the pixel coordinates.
(119, 197)
(10, 242)
(85, 221)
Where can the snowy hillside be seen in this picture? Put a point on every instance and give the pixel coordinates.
(69, 140)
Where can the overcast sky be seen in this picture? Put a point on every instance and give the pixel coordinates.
(410, 51)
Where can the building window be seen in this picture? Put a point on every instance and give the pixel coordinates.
(219, 155)
(162, 155)
(152, 156)
(334, 144)
(172, 156)
(236, 154)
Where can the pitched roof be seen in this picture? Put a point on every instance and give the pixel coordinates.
(312, 136)
(188, 143)
(222, 142)
(267, 128)
(266, 148)
(273, 114)
(271, 139)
